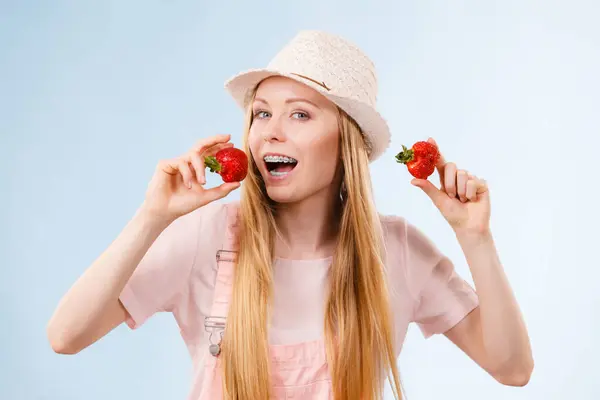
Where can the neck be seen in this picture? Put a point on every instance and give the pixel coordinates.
(308, 227)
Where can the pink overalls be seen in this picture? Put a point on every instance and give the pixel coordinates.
(298, 371)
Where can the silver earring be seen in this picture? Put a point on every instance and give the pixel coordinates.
(343, 192)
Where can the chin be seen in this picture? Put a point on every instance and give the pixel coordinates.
(283, 194)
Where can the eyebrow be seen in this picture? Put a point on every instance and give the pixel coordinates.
(289, 101)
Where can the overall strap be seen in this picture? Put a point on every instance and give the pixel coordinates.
(226, 258)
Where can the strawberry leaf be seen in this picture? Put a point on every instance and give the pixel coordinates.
(405, 156)
(212, 163)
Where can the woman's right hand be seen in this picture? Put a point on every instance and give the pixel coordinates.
(177, 187)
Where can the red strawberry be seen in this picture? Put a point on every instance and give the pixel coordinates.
(420, 159)
(230, 163)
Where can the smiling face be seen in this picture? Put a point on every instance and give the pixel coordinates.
(294, 140)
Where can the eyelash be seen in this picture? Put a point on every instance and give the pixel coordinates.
(258, 112)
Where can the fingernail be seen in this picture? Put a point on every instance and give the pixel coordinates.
(189, 185)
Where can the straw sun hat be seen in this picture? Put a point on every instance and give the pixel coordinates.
(334, 67)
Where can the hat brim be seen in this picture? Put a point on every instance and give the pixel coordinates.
(373, 125)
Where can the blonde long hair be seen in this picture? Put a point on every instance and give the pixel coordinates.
(358, 321)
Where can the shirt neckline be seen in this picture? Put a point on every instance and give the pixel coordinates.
(317, 261)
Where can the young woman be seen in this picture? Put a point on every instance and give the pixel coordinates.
(301, 290)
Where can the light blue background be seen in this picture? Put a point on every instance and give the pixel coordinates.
(93, 94)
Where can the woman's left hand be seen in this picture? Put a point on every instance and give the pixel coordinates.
(463, 199)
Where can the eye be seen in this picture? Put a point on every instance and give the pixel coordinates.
(261, 114)
(300, 115)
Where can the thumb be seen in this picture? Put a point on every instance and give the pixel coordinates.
(435, 194)
(220, 191)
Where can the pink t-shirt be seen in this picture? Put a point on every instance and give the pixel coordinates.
(178, 273)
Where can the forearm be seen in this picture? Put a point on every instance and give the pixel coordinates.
(504, 333)
(88, 309)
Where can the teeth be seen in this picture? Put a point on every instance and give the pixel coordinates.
(275, 173)
(280, 159)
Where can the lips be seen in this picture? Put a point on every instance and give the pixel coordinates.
(279, 165)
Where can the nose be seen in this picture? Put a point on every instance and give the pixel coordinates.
(274, 131)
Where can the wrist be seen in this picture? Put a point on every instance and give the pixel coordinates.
(152, 219)
(473, 237)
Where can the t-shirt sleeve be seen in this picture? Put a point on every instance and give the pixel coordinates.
(161, 280)
(442, 297)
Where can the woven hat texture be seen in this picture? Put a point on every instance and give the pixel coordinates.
(334, 67)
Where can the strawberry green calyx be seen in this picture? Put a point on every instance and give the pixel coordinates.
(212, 163)
(405, 156)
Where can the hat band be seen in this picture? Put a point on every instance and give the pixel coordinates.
(322, 84)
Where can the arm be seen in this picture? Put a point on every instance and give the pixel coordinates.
(146, 268)
(494, 334)
(91, 308)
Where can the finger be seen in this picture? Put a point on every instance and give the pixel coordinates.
(461, 184)
(214, 149)
(450, 179)
(168, 166)
(441, 161)
(183, 166)
(205, 143)
(198, 165)
(441, 173)
(220, 191)
(436, 195)
(482, 186)
(471, 193)
(197, 159)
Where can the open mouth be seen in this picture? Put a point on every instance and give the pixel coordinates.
(280, 166)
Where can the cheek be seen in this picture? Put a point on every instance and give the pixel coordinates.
(326, 144)
(324, 154)
(254, 142)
